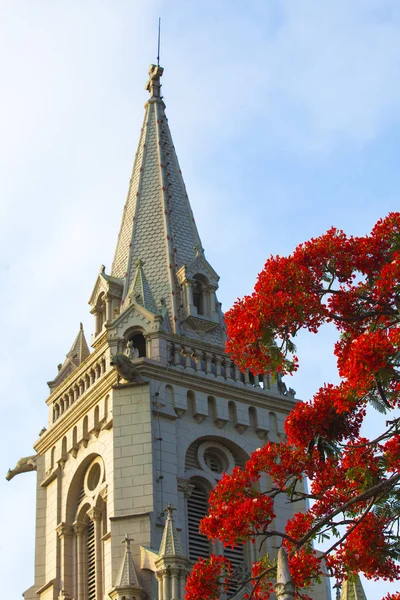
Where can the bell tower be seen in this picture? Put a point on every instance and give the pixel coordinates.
(141, 429)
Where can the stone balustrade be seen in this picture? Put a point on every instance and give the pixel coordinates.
(190, 358)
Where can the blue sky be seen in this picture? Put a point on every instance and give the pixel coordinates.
(285, 116)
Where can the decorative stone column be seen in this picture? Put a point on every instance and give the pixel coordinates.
(65, 533)
(95, 515)
(197, 358)
(98, 321)
(218, 365)
(79, 529)
(109, 315)
(208, 358)
(177, 356)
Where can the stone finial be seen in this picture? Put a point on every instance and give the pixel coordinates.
(153, 85)
(170, 543)
(284, 588)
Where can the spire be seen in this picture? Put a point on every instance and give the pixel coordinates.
(78, 353)
(170, 543)
(127, 573)
(352, 589)
(158, 228)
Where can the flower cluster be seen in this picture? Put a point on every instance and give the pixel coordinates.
(209, 577)
(365, 549)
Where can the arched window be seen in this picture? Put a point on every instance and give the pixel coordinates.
(137, 345)
(198, 298)
(99, 313)
(213, 458)
(200, 295)
(86, 512)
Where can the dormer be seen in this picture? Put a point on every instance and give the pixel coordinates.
(199, 283)
(105, 299)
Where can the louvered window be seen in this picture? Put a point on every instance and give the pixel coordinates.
(91, 561)
(236, 556)
(197, 506)
(213, 462)
(81, 495)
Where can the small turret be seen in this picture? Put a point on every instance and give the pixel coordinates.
(127, 585)
(171, 565)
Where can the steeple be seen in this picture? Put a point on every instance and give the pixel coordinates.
(78, 353)
(159, 258)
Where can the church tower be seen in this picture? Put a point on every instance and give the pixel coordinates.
(141, 429)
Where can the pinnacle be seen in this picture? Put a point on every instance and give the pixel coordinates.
(78, 353)
(127, 572)
(170, 543)
(352, 589)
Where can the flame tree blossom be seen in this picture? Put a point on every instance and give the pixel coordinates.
(353, 496)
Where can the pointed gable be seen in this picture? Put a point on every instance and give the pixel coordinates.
(140, 291)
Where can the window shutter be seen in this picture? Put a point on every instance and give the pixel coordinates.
(197, 505)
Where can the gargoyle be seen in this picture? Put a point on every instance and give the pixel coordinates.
(24, 465)
(125, 368)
